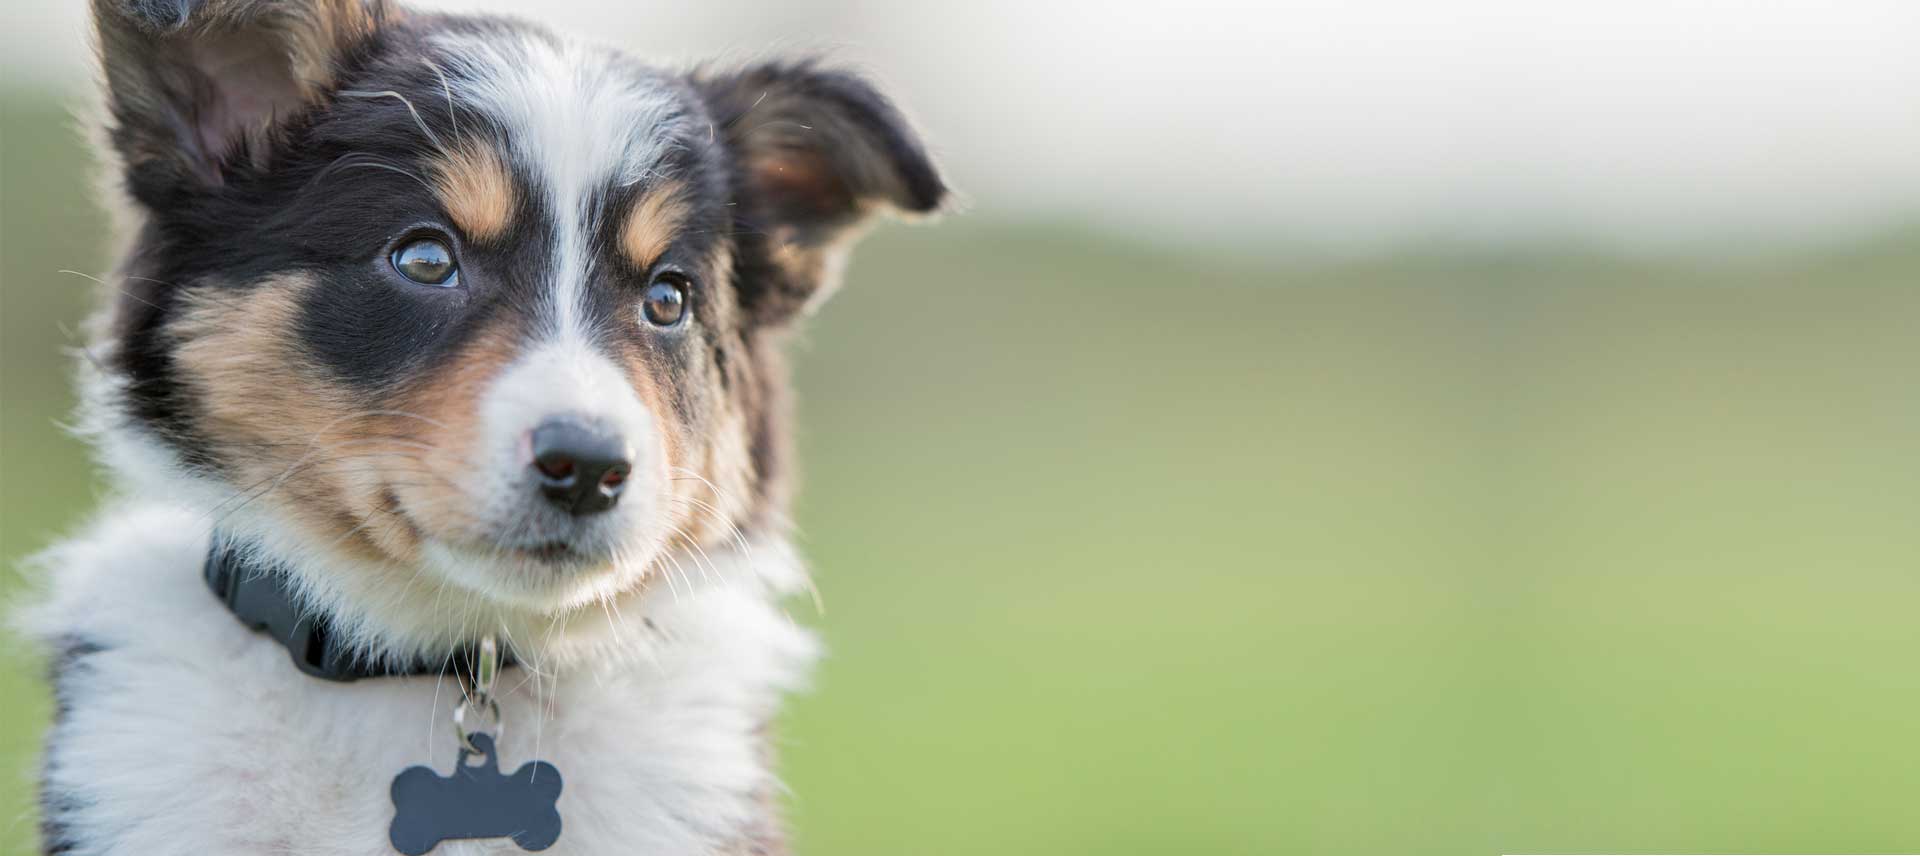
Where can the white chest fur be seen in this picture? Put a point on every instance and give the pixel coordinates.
(185, 733)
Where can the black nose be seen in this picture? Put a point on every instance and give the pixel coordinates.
(581, 469)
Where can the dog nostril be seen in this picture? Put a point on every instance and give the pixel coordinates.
(582, 468)
(557, 467)
(614, 478)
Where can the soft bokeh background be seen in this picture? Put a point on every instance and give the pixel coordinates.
(1333, 427)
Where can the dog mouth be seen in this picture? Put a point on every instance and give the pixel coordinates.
(563, 555)
(552, 553)
(556, 551)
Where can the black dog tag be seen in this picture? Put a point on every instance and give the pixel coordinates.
(476, 802)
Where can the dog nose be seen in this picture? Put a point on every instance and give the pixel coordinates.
(581, 468)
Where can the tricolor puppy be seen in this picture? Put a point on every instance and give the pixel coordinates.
(442, 372)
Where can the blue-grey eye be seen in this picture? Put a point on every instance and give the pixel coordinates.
(665, 300)
(427, 261)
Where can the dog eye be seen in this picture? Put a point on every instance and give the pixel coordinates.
(427, 261)
(665, 301)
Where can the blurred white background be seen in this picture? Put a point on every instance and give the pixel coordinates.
(1341, 126)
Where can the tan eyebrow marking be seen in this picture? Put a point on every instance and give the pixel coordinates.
(475, 189)
(652, 223)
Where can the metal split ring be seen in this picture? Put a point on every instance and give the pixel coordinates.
(476, 716)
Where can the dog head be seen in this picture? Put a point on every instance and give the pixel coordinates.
(461, 303)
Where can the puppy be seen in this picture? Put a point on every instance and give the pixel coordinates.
(441, 379)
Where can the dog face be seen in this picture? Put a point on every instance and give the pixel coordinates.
(458, 295)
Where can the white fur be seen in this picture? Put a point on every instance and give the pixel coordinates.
(189, 734)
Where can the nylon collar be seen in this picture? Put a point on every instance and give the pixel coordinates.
(260, 593)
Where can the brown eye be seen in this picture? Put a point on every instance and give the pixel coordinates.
(427, 261)
(665, 301)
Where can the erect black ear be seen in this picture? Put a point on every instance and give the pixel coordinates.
(193, 86)
(816, 153)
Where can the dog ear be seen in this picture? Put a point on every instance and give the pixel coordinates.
(816, 153)
(194, 87)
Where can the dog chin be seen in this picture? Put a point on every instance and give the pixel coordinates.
(542, 577)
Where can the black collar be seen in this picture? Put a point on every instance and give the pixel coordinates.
(259, 593)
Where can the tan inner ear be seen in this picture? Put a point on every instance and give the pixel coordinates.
(243, 66)
(475, 189)
(802, 184)
(651, 225)
(317, 36)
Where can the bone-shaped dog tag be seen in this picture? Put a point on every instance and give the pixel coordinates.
(476, 802)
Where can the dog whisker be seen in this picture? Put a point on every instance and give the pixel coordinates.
(435, 138)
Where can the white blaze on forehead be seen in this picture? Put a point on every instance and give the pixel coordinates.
(580, 120)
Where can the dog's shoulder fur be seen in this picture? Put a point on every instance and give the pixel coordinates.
(179, 731)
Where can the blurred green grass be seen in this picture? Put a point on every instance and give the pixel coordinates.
(1130, 551)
